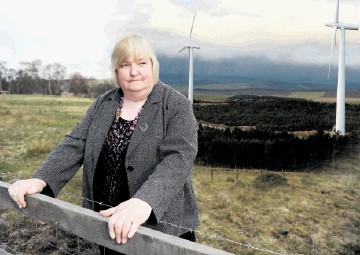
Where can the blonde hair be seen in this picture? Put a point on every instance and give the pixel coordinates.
(129, 45)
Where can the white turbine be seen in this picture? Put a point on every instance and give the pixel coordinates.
(340, 98)
(190, 49)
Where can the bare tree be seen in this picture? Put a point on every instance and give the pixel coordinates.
(59, 72)
(2, 74)
(29, 81)
(32, 68)
(47, 73)
(11, 76)
(54, 74)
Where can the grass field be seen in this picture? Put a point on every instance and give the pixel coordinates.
(323, 96)
(333, 100)
(309, 95)
(213, 96)
(307, 212)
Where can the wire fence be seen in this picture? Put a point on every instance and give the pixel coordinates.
(83, 243)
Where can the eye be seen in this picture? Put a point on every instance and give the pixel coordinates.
(143, 63)
(124, 65)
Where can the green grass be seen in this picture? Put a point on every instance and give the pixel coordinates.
(212, 96)
(31, 126)
(294, 213)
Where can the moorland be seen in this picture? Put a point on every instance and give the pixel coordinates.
(312, 210)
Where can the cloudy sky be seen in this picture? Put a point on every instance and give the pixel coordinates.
(80, 34)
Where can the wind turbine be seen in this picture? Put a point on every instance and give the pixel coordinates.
(190, 49)
(340, 98)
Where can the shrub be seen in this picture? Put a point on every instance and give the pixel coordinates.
(230, 179)
(269, 180)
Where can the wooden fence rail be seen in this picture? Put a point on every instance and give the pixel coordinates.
(3, 252)
(91, 226)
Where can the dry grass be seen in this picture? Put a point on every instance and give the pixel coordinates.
(348, 100)
(316, 212)
(32, 126)
(212, 97)
(309, 95)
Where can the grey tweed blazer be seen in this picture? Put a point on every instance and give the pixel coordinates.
(159, 159)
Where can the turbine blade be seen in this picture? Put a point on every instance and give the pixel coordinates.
(192, 25)
(333, 42)
(183, 48)
(334, 35)
(337, 12)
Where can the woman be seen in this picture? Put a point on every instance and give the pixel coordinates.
(137, 145)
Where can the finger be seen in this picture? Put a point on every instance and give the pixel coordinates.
(114, 223)
(133, 229)
(112, 235)
(125, 231)
(108, 212)
(21, 201)
(111, 228)
(22, 192)
(17, 195)
(118, 231)
(111, 222)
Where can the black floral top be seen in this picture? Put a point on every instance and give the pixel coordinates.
(110, 179)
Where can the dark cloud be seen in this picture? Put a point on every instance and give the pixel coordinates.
(256, 69)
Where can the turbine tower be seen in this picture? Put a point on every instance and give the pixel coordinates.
(190, 49)
(340, 97)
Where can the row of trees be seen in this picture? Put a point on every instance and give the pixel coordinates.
(80, 86)
(279, 114)
(35, 78)
(265, 149)
(32, 77)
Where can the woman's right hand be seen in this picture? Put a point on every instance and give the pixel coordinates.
(19, 189)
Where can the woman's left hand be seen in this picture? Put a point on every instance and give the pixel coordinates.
(126, 218)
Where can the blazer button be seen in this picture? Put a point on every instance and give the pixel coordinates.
(130, 169)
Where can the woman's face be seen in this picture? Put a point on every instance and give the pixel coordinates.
(135, 76)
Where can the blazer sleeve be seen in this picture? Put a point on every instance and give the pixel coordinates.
(67, 157)
(177, 152)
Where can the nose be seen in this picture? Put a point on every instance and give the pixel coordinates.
(134, 71)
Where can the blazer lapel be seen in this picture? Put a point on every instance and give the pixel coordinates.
(146, 117)
(104, 119)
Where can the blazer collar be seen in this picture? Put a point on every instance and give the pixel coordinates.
(154, 96)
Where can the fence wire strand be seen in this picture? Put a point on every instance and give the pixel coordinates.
(212, 236)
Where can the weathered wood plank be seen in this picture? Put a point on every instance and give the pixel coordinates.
(3, 252)
(93, 227)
